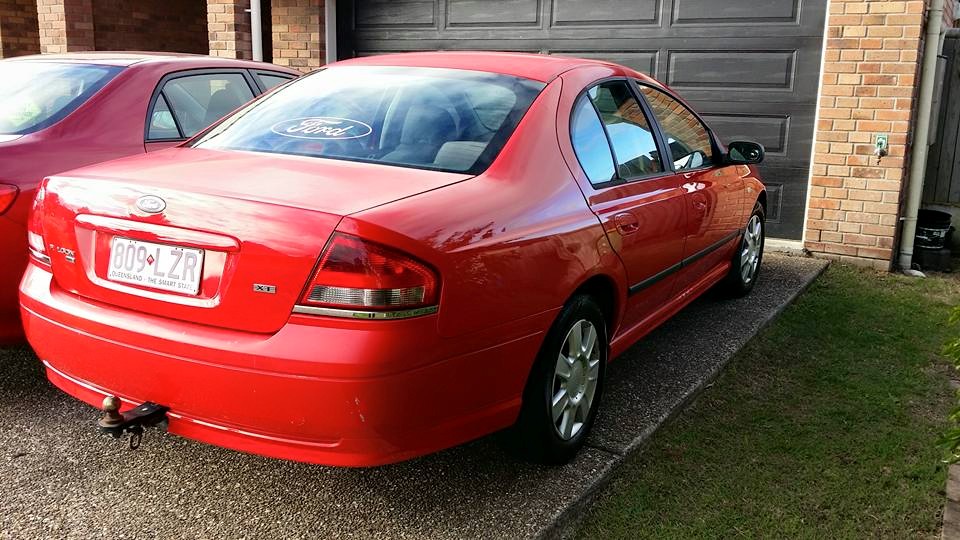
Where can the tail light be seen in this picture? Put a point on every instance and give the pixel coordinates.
(35, 242)
(8, 194)
(354, 274)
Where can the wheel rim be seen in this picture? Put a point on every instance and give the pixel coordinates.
(751, 249)
(575, 379)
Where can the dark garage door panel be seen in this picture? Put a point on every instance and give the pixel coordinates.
(751, 68)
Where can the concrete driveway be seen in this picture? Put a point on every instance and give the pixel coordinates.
(61, 479)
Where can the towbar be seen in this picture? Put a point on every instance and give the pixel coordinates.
(134, 421)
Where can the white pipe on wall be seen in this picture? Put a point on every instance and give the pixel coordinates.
(921, 142)
(256, 30)
(330, 29)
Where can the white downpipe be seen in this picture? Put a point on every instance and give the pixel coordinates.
(330, 29)
(921, 142)
(256, 30)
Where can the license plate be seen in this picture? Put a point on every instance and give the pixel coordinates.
(158, 266)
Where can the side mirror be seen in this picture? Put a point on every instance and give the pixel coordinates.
(744, 153)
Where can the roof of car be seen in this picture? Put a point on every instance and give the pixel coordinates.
(539, 67)
(126, 59)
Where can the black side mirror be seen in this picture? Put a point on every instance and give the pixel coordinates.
(744, 153)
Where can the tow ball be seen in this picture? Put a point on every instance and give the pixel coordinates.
(134, 421)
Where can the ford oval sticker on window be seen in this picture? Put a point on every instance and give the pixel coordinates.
(322, 127)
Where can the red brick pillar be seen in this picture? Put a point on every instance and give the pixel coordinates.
(19, 30)
(228, 23)
(298, 35)
(65, 25)
(869, 83)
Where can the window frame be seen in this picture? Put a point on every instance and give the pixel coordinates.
(716, 154)
(659, 141)
(254, 86)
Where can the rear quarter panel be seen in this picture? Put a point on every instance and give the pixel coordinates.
(511, 244)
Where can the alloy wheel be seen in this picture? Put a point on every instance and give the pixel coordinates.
(751, 249)
(575, 379)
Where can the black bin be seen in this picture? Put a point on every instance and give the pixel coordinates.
(933, 229)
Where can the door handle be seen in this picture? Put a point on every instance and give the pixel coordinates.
(626, 223)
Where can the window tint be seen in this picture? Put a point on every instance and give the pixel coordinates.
(36, 95)
(590, 143)
(689, 141)
(633, 143)
(162, 124)
(200, 100)
(270, 81)
(430, 118)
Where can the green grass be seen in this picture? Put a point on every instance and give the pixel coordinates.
(824, 426)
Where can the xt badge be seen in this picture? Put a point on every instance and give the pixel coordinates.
(260, 287)
(68, 254)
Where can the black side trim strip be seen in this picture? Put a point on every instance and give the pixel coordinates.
(634, 289)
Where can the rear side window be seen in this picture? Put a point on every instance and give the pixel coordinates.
(196, 101)
(430, 118)
(634, 146)
(162, 124)
(590, 143)
(37, 95)
(689, 140)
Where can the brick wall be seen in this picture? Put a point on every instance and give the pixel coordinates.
(150, 25)
(870, 78)
(65, 25)
(228, 25)
(298, 34)
(19, 29)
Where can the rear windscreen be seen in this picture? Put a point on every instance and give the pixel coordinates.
(441, 119)
(36, 95)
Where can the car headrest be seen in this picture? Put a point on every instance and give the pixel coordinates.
(427, 124)
(221, 103)
(459, 155)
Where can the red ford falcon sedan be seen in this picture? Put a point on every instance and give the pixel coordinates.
(390, 257)
(60, 112)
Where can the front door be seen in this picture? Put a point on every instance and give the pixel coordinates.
(712, 191)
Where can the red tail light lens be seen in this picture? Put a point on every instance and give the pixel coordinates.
(35, 242)
(356, 274)
(8, 194)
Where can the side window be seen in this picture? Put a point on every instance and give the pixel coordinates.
(689, 141)
(200, 100)
(270, 81)
(634, 146)
(162, 124)
(590, 142)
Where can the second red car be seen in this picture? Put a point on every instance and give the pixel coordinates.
(63, 111)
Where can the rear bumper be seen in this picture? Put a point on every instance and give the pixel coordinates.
(346, 393)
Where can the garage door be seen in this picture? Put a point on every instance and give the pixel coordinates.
(750, 67)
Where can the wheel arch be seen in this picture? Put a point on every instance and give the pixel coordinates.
(604, 289)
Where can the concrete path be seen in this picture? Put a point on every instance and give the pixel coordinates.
(58, 478)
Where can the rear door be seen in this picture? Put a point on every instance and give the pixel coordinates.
(639, 202)
(184, 103)
(712, 191)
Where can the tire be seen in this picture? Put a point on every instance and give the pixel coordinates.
(747, 259)
(540, 435)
